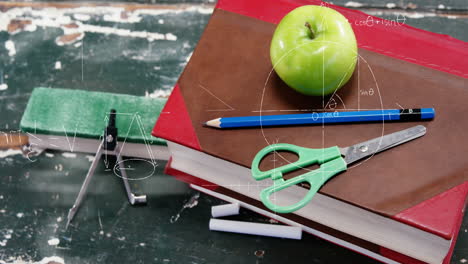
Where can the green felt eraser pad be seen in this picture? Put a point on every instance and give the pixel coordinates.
(85, 114)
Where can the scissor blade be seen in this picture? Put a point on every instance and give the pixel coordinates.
(376, 145)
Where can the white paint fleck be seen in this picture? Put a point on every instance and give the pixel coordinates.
(58, 167)
(81, 17)
(188, 57)
(59, 219)
(69, 155)
(157, 68)
(58, 65)
(161, 21)
(174, 218)
(192, 202)
(1, 197)
(101, 232)
(3, 243)
(142, 244)
(19, 215)
(49, 155)
(53, 259)
(202, 10)
(157, 12)
(390, 5)
(78, 44)
(3, 86)
(8, 236)
(108, 235)
(90, 158)
(416, 15)
(121, 238)
(441, 6)
(10, 46)
(463, 260)
(171, 37)
(353, 4)
(406, 14)
(30, 28)
(452, 17)
(122, 32)
(53, 241)
(159, 93)
(63, 20)
(2, 211)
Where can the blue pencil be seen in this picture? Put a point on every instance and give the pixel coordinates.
(415, 114)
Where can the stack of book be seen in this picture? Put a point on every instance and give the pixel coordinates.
(403, 205)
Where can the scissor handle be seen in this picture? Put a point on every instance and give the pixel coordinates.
(330, 158)
(307, 157)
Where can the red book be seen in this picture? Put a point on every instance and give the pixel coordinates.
(405, 205)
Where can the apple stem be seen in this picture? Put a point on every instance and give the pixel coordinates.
(311, 31)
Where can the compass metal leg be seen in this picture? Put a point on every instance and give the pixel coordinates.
(84, 187)
(132, 198)
(110, 146)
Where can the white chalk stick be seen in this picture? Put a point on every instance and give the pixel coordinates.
(225, 210)
(291, 232)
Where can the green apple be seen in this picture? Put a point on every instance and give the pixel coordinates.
(314, 50)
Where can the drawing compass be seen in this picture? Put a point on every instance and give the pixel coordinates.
(108, 146)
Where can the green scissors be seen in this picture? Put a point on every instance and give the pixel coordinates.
(332, 161)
